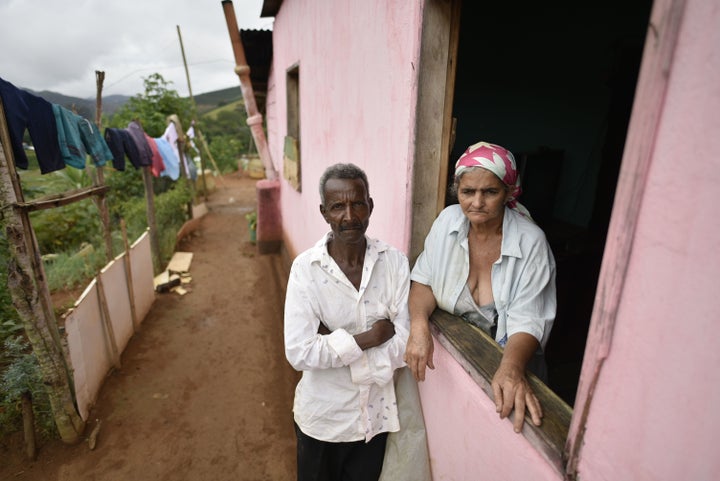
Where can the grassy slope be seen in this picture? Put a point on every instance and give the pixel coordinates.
(213, 100)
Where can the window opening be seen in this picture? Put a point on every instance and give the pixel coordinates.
(291, 150)
(555, 85)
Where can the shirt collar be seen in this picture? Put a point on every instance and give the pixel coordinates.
(511, 239)
(319, 252)
(510, 242)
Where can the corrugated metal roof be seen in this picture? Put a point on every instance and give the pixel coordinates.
(258, 48)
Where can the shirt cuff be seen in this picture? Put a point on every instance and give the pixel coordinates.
(360, 371)
(344, 346)
(527, 328)
(420, 278)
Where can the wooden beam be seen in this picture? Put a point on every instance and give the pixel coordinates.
(58, 200)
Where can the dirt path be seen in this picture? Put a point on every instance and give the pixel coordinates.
(204, 392)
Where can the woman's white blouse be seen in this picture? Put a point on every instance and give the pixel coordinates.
(523, 278)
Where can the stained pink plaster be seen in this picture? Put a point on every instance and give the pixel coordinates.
(269, 218)
(654, 413)
(357, 104)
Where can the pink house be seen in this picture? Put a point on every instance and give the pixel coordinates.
(613, 109)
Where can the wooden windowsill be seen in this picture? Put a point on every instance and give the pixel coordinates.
(480, 356)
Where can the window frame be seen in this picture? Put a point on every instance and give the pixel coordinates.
(474, 350)
(291, 148)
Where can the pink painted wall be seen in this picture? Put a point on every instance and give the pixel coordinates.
(654, 411)
(466, 438)
(654, 415)
(357, 104)
(358, 95)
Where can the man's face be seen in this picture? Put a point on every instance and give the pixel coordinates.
(347, 209)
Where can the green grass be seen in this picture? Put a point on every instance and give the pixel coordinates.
(230, 107)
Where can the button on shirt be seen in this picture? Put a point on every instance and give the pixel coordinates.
(523, 278)
(346, 394)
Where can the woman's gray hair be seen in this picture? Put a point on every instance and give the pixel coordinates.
(342, 171)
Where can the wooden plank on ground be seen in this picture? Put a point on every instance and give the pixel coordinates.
(180, 262)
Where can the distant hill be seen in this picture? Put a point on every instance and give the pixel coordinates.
(111, 103)
(84, 107)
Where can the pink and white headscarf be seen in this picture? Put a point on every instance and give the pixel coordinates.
(500, 162)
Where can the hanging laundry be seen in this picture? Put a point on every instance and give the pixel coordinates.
(24, 110)
(121, 144)
(170, 159)
(95, 143)
(138, 135)
(157, 161)
(171, 135)
(191, 135)
(78, 137)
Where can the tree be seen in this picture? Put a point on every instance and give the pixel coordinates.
(25, 278)
(153, 106)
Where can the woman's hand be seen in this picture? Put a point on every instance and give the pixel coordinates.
(419, 350)
(511, 389)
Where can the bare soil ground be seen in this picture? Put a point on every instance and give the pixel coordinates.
(204, 392)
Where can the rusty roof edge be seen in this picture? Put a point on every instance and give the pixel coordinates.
(270, 8)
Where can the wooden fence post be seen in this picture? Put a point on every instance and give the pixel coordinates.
(101, 200)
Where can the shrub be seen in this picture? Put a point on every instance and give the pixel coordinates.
(170, 214)
(21, 374)
(226, 150)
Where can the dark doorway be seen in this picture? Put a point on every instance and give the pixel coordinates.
(554, 83)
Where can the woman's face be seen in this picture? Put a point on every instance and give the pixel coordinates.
(482, 196)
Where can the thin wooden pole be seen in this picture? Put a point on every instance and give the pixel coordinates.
(254, 117)
(204, 145)
(129, 277)
(181, 154)
(150, 209)
(28, 417)
(194, 106)
(107, 323)
(101, 200)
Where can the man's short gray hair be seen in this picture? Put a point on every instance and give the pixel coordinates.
(342, 171)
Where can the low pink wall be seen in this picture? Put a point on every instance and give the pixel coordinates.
(467, 439)
(654, 413)
(269, 217)
(87, 339)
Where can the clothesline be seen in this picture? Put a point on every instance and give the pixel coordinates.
(63, 138)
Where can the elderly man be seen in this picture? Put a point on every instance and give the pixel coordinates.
(346, 327)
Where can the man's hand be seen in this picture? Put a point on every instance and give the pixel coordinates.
(379, 333)
(419, 350)
(512, 391)
(383, 330)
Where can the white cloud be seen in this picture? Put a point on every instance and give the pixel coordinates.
(58, 45)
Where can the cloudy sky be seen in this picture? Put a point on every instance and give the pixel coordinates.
(58, 45)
